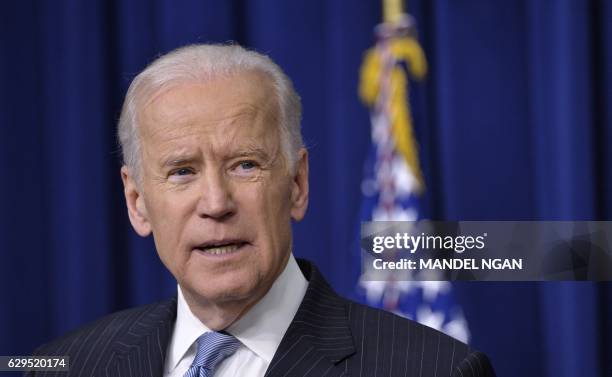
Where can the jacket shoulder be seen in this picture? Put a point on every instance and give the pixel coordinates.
(96, 344)
(389, 342)
(98, 332)
(364, 341)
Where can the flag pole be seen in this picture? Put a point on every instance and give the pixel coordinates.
(393, 182)
(392, 11)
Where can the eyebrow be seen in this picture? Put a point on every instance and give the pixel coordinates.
(180, 159)
(174, 160)
(250, 151)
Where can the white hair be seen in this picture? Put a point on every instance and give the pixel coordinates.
(201, 63)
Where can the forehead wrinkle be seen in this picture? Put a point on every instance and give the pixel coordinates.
(181, 155)
(219, 130)
(250, 112)
(172, 141)
(250, 122)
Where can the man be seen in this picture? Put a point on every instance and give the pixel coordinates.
(215, 169)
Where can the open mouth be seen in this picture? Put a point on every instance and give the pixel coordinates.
(221, 248)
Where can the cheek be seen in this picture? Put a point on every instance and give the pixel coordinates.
(276, 220)
(168, 215)
(267, 201)
(165, 206)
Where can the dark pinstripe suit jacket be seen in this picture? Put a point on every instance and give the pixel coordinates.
(329, 336)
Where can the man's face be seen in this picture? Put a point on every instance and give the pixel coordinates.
(216, 192)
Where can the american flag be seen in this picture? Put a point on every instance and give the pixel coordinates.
(392, 185)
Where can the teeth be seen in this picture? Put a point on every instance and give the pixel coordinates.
(219, 250)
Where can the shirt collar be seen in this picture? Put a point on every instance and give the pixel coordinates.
(187, 329)
(261, 329)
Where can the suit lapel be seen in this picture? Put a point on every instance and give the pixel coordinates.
(316, 343)
(141, 350)
(319, 338)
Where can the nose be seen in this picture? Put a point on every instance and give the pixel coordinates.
(216, 200)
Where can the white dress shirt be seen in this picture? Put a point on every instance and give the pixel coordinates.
(260, 330)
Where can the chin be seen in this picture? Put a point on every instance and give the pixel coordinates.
(234, 287)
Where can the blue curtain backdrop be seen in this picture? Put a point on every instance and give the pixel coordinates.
(514, 122)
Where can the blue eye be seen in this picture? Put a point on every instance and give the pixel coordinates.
(247, 165)
(182, 171)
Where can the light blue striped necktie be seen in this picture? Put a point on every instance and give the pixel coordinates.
(213, 348)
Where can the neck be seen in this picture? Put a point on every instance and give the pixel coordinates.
(218, 315)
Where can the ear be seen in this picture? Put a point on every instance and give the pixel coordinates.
(135, 203)
(299, 187)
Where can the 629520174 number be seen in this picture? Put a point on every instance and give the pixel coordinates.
(33, 363)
